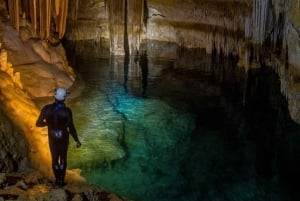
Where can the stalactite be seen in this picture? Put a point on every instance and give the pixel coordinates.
(62, 18)
(14, 12)
(45, 19)
(33, 15)
(76, 9)
(41, 24)
(57, 6)
(11, 12)
(73, 9)
(135, 23)
(40, 13)
(59, 15)
(255, 27)
(48, 17)
(25, 8)
(116, 12)
(17, 13)
(54, 16)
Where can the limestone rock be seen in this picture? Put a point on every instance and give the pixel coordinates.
(23, 189)
(53, 195)
(2, 178)
(13, 147)
(293, 42)
(3, 59)
(35, 65)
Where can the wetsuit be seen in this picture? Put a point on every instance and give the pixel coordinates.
(59, 120)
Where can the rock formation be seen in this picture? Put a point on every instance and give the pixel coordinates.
(258, 32)
(45, 16)
(33, 61)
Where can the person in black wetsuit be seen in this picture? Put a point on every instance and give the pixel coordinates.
(58, 117)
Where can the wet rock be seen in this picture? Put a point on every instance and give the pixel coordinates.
(30, 185)
(2, 179)
(53, 195)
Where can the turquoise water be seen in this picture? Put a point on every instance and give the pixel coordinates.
(184, 126)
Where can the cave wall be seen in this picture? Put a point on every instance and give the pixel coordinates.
(13, 146)
(257, 31)
(227, 26)
(206, 24)
(87, 20)
(293, 33)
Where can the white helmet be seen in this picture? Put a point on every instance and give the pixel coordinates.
(60, 94)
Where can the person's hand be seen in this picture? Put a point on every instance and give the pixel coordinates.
(78, 144)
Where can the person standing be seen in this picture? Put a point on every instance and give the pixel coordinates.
(58, 118)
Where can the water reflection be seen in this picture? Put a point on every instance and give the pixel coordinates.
(142, 61)
(206, 131)
(126, 68)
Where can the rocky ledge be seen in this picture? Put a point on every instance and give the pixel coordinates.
(32, 186)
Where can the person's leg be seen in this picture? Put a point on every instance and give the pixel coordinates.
(63, 163)
(55, 160)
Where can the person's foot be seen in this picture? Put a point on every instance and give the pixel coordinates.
(59, 183)
(55, 184)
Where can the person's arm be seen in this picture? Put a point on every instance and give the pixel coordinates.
(72, 131)
(41, 121)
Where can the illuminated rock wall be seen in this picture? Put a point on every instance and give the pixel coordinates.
(203, 24)
(13, 146)
(21, 109)
(30, 69)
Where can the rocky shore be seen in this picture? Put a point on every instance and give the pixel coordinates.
(32, 186)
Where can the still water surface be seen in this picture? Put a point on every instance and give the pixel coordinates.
(187, 128)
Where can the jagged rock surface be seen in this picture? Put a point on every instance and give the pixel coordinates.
(31, 185)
